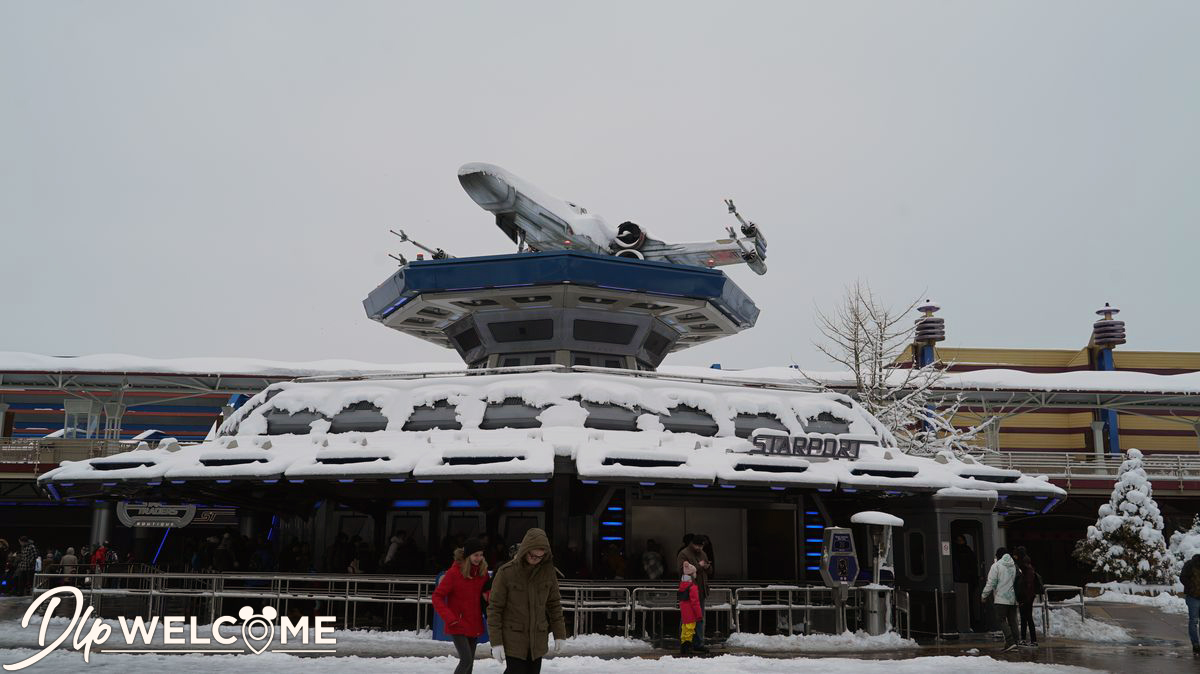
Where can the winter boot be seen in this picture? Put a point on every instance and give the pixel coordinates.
(700, 649)
(685, 649)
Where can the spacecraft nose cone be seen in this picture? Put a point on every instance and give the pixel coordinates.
(485, 188)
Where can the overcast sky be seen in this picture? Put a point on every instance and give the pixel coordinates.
(219, 178)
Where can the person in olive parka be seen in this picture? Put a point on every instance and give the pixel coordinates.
(525, 607)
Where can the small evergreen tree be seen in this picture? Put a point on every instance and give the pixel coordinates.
(1127, 542)
(1185, 544)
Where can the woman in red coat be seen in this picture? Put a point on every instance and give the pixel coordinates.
(458, 599)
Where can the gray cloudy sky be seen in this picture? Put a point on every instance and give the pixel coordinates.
(218, 178)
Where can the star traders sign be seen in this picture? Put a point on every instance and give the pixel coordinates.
(771, 442)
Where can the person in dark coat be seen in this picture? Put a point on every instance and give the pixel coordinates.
(966, 570)
(459, 600)
(1190, 577)
(525, 607)
(693, 553)
(1028, 588)
(27, 555)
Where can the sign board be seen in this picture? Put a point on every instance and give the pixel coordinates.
(946, 548)
(839, 561)
(173, 516)
(155, 515)
(771, 442)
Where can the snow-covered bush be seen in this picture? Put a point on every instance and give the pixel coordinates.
(1127, 542)
(1185, 544)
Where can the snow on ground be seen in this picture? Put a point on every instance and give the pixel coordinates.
(62, 661)
(1167, 603)
(367, 643)
(819, 643)
(1066, 623)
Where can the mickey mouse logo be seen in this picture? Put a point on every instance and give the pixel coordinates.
(258, 630)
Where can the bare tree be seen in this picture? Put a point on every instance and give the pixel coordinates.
(869, 339)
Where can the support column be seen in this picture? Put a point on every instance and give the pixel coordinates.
(560, 526)
(247, 523)
(102, 516)
(1106, 334)
(1098, 438)
(6, 425)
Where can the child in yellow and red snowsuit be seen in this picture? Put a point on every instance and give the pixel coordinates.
(689, 608)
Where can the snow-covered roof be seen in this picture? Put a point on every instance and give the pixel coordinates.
(995, 379)
(513, 426)
(987, 379)
(118, 363)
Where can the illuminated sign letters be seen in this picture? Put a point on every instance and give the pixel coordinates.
(770, 442)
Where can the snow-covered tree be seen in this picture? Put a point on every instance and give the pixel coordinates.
(1185, 544)
(869, 339)
(1127, 541)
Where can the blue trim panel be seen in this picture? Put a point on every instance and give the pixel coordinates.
(555, 267)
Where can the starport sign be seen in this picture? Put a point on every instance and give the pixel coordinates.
(771, 442)
(257, 632)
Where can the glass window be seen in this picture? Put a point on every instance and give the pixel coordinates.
(609, 417)
(360, 416)
(440, 415)
(280, 422)
(688, 419)
(522, 331)
(825, 423)
(745, 424)
(604, 331)
(916, 554)
(510, 413)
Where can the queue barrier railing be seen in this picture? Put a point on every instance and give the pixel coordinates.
(642, 610)
(1074, 593)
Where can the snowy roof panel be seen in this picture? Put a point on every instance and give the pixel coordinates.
(310, 449)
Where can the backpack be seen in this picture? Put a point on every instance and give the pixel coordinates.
(110, 557)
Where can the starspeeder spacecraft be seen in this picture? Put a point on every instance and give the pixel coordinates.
(535, 220)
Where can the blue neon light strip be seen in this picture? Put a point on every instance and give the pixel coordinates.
(615, 508)
(525, 503)
(814, 526)
(613, 524)
(813, 540)
(411, 503)
(813, 554)
(464, 503)
(813, 568)
(160, 546)
(612, 538)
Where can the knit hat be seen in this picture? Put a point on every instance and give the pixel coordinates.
(472, 546)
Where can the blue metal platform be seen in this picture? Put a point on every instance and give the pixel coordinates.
(558, 267)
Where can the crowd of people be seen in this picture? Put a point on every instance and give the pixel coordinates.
(20, 561)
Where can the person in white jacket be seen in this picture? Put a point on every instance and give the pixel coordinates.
(1000, 583)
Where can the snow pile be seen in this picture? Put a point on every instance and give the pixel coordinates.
(1068, 624)
(1186, 544)
(1127, 540)
(1164, 601)
(66, 661)
(583, 644)
(819, 643)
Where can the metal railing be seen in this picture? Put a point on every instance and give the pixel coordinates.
(1047, 604)
(52, 451)
(407, 601)
(1069, 466)
(585, 602)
